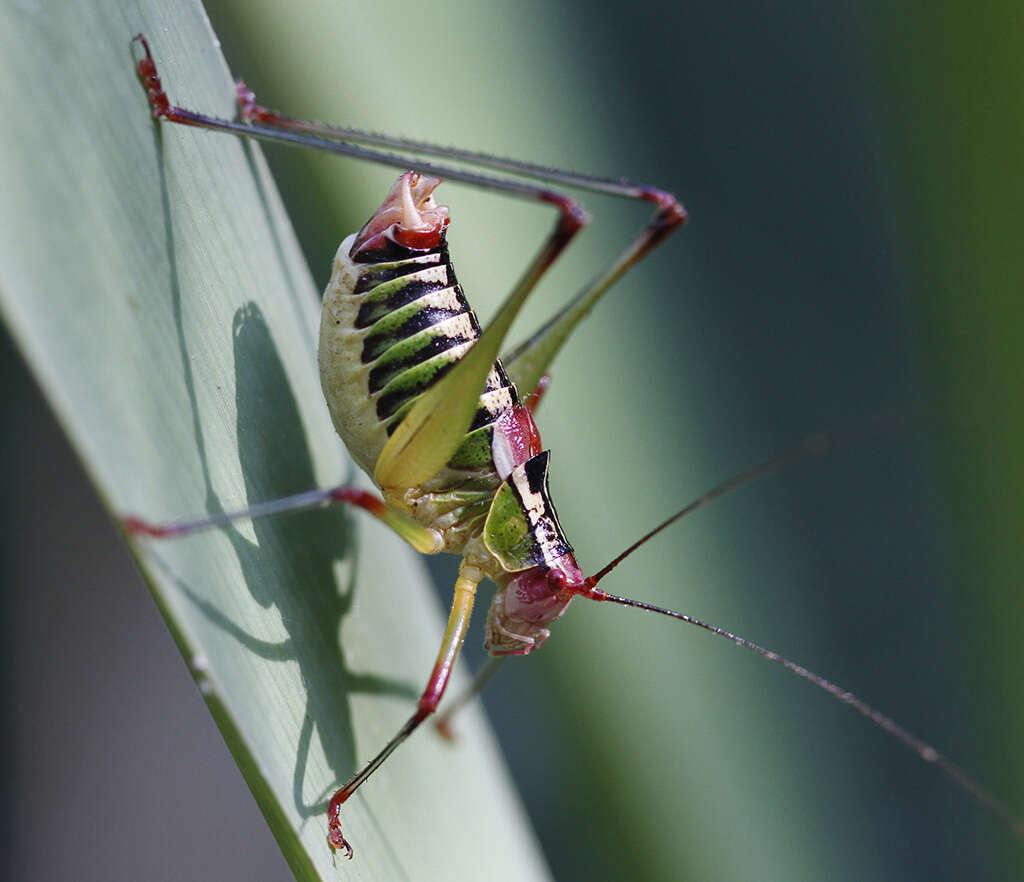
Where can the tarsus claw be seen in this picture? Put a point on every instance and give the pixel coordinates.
(337, 841)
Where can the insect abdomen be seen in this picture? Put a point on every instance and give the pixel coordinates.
(390, 329)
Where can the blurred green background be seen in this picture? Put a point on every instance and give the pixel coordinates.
(854, 181)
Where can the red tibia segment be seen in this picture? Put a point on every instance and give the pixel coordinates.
(422, 539)
(455, 633)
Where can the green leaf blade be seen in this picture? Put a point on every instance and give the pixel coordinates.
(152, 279)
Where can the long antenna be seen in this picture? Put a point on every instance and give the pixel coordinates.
(924, 750)
(813, 445)
(818, 444)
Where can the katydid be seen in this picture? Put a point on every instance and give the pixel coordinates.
(444, 426)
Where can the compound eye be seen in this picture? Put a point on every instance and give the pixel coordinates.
(556, 580)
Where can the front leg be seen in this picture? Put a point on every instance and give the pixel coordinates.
(458, 622)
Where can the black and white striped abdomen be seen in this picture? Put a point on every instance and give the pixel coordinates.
(390, 329)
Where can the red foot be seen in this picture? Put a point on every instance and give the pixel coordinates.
(145, 67)
(335, 839)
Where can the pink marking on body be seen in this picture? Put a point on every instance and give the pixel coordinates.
(514, 440)
(540, 594)
(408, 217)
(532, 599)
